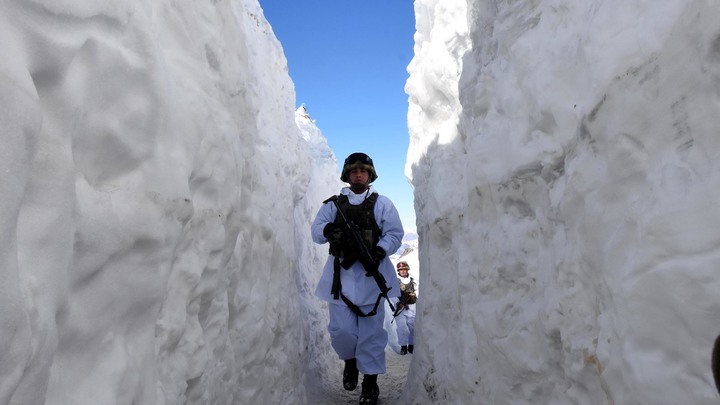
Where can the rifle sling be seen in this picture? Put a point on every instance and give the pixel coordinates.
(357, 310)
(336, 292)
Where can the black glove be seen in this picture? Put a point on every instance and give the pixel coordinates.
(333, 232)
(378, 254)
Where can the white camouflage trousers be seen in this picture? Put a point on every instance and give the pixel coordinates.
(406, 326)
(361, 338)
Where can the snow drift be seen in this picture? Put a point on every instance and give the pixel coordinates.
(158, 191)
(155, 203)
(564, 157)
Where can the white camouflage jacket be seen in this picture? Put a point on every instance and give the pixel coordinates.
(358, 288)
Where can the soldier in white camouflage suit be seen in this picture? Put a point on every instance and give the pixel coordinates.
(356, 314)
(406, 307)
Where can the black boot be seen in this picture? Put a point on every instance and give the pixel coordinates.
(350, 375)
(410, 348)
(370, 390)
(403, 350)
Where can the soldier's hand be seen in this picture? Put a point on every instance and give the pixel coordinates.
(378, 254)
(333, 232)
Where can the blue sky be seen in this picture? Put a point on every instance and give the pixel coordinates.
(348, 61)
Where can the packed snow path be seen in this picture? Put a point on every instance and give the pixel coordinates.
(391, 383)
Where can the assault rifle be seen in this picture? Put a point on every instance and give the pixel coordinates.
(365, 258)
(399, 309)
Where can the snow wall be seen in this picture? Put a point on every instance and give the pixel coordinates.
(565, 160)
(157, 197)
(157, 192)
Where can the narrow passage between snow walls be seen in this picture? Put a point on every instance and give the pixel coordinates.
(157, 196)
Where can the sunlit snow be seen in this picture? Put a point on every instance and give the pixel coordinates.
(159, 182)
(157, 196)
(564, 156)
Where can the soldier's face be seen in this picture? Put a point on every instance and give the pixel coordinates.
(359, 179)
(403, 273)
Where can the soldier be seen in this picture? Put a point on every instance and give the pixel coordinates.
(405, 309)
(356, 318)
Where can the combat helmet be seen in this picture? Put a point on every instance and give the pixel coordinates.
(403, 266)
(358, 160)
